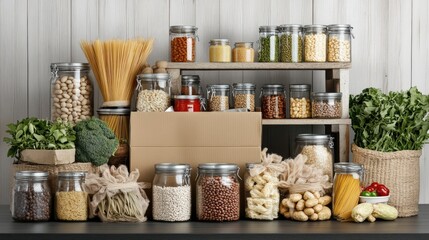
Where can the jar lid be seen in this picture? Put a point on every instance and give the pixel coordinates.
(327, 95)
(188, 97)
(268, 28)
(172, 167)
(340, 27)
(219, 42)
(218, 86)
(150, 77)
(221, 167)
(273, 86)
(299, 87)
(114, 111)
(71, 174)
(190, 79)
(315, 27)
(290, 27)
(183, 29)
(348, 167)
(31, 174)
(244, 44)
(69, 66)
(313, 138)
(248, 86)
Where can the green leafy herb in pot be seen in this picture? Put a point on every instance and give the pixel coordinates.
(390, 122)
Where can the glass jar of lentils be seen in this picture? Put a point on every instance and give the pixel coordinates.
(218, 97)
(244, 95)
(339, 43)
(273, 104)
(268, 44)
(299, 101)
(31, 197)
(183, 43)
(218, 192)
(71, 201)
(291, 43)
(315, 43)
(326, 105)
(71, 92)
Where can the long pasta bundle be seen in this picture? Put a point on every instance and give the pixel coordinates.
(115, 64)
(119, 125)
(346, 195)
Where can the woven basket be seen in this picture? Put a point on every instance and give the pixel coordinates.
(399, 171)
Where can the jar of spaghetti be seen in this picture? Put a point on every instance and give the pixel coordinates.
(183, 43)
(219, 50)
(346, 189)
(187, 103)
(190, 85)
(243, 52)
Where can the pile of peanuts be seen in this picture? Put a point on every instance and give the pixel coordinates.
(244, 101)
(183, 49)
(338, 49)
(307, 206)
(218, 103)
(315, 47)
(300, 108)
(273, 106)
(71, 99)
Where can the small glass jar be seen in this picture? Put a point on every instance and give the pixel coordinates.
(273, 103)
(219, 50)
(339, 43)
(243, 52)
(31, 197)
(218, 192)
(291, 43)
(318, 149)
(153, 92)
(244, 95)
(171, 192)
(187, 103)
(183, 43)
(72, 97)
(346, 189)
(218, 97)
(190, 85)
(299, 101)
(315, 43)
(268, 44)
(326, 105)
(71, 201)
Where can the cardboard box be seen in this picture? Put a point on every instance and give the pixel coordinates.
(48, 157)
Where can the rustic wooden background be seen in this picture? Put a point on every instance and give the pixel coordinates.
(390, 50)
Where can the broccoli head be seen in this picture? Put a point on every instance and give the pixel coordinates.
(95, 142)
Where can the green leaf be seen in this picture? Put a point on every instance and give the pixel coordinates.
(38, 137)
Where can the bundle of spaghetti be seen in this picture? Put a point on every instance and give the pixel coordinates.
(119, 124)
(346, 195)
(115, 64)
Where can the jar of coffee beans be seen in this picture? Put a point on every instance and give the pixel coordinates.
(71, 201)
(273, 104)
(218, 192)
(31, 197)
(218, 97)
(244, 95)
(326, 105)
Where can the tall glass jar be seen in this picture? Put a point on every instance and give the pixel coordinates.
(190, 85)
(183, 43)
(273, 104)
(339, 43)
(315, 43)
(318, 149)
(72, 97)
(291, 43)
(218, 97)
(326, 105)
(71, 201)
(299, 101)
(31, 197)
(268, 44)
(218, 192)
(219, 50)
(346, 189)
(153, 92)
(243, 52)
(171, 192)
(244, 95)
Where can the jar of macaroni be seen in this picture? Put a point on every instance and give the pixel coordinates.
(183, 43)
(243, 52)
(315, 43)
(339, 43)
(220, 50)
(71, 200)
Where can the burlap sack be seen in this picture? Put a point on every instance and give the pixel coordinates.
(399, 171)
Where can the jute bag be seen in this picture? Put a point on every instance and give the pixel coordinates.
(399, 171)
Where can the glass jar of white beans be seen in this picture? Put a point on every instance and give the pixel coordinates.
(339, 43)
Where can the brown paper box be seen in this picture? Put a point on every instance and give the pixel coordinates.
(48, 157)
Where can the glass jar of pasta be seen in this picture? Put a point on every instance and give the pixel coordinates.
(243, 52)
(346, 189)
(183, 43)
(71, 200)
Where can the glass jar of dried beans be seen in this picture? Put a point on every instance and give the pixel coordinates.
(190, 85)
(273, 102)
(183, 43)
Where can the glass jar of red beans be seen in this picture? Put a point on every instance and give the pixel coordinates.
(183, 43)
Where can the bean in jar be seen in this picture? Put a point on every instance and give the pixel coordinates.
(299, 101)
(268, 44)
(153, 92)
(186, 103)
(190, 85)
(273, 102)
(326, 105)
(183, 43)
(291, 43)
(244, 96)
(339, 43)
(315, 43)
(218, 97)
(243, 52)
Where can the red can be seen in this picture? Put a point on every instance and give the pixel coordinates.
(187, 103)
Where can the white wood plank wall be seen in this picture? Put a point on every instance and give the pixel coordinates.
(390, 50)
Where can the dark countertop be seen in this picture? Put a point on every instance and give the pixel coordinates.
(416, 227)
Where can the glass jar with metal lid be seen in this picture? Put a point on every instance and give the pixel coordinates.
(190, 85)
(218, 97)
(244, 95)
(71, 92)
(273, 104)
(299, 101)
(315, 43)
(71, 201)
(326, 105)
(318, 149)
(346, 189)
(171, 192)
(291, 43)
(31, 197)
(243, 52)
(153, 92)
(187, 103)
(219, 50)
(183, 43)
(218, 192)
(339, 43)
(268, 44)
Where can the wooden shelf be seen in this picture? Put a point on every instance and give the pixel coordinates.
(257, 66)
(311, 121)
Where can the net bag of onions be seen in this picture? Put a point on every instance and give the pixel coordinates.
(305, 190)
(116, 196)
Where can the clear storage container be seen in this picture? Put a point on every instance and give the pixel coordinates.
(218, 97)
(71, 201)
(326, 105)
(153, 92)
(183, 43)
(220, 50)
(244, 95)
(291, 43)
(315, 37)
(71, 92)
(218, 192)
(243, 52)
(31, 197)
(268, 44)
(187, 103)
(171, 192)
(339, 43)
(299, 101)
(273, 104)
(190, 85)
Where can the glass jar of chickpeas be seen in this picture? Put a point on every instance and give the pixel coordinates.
(299, 101)
(183, 43)
(339, 43)
(315, 43)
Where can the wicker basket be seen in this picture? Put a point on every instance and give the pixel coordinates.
(399, 171)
